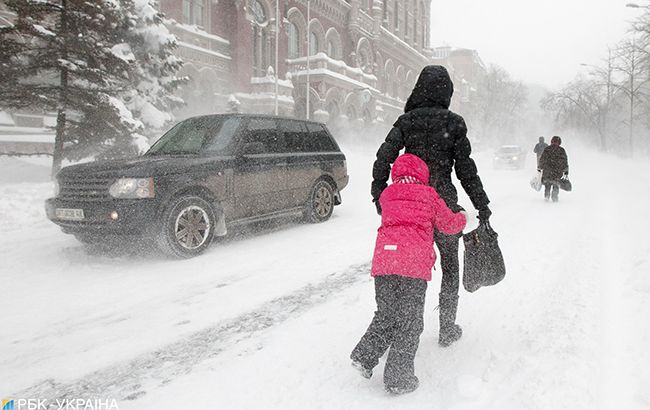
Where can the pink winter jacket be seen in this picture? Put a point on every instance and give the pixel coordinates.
(410, 211)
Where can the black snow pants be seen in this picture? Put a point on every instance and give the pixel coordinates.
(552, 190)
(397, 324)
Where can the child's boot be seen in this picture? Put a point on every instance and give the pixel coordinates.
(363, 371)
(407, 385)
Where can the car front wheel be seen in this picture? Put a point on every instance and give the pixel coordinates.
(188, 227)
(321, 202)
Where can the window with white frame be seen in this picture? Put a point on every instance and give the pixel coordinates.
(294, 40)
(261, 40)
(195, 12)
(313, 44)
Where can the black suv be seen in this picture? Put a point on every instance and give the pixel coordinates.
(205, 174)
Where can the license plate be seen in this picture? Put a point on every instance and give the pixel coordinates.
(70, 214)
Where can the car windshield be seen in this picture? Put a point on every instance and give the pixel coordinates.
(195, 135)
(509, 150)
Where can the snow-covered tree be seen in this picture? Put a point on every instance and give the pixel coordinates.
(106, 67)
(150, 46)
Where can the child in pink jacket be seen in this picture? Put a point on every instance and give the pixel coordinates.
(401, 266)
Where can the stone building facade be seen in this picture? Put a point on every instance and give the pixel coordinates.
(467, 71)
(364, 56)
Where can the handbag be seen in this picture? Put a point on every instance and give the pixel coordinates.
(483, 260)
(565, 184)
(536, 182)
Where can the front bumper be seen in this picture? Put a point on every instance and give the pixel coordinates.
(134, 216)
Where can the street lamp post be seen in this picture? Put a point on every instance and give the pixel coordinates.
(633, 67)
(308, 53)
(277, 42)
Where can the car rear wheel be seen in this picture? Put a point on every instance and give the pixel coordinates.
(188, 227)
(321, 202)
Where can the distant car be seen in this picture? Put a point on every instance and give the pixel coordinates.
(204, 175)
(509, 156)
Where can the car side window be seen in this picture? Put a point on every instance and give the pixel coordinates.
(296, 136)
(224, 137)
(264, 131)
(321, 139)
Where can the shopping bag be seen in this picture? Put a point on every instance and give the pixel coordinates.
(483, 260)
(536, 182)
(565, 184)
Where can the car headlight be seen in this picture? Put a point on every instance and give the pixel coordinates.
(56, 188)
(132, 188)
(514, 158)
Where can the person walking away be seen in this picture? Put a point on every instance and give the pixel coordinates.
(554, 164)
(539, 149)
(401, 267)
(431, 131)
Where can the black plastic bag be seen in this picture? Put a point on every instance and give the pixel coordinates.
(483, 262)
(565, 184)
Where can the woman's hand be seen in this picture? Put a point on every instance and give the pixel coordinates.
(484, 214)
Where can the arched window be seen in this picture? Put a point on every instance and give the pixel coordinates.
(333, 41)
(396, 15)
(194, 12)
(351, 112)
(294, 41)
(261, 41)
(406, 19)
(258, 12)
(313, 44)
(331, 48)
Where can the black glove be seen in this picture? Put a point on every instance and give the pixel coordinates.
(378, 206)
(484, 214)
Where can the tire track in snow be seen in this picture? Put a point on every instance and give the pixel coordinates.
(125, 381)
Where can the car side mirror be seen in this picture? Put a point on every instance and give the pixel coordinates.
(252, 148)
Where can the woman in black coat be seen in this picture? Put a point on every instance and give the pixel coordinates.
(554, 164)
(431, 131)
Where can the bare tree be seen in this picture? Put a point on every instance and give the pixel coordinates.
(631, 64)
(497, 106)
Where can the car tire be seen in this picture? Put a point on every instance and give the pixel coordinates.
(188, 226)
(320, 204)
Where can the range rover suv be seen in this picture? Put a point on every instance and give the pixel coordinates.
(204, 175)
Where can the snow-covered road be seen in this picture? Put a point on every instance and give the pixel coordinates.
(268, 320)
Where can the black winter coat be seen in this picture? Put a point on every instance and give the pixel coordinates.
(429, 130)
(554, 163)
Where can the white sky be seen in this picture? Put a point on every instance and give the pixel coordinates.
(537, 41)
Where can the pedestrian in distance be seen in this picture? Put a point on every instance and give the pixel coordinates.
(438, 136)
(401, 267)
(539, 149)
(554, 165)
